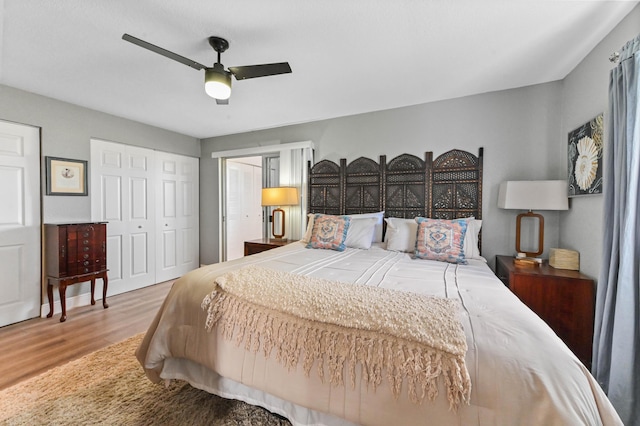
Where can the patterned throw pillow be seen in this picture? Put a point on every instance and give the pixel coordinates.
(442, 240)
(329, 232)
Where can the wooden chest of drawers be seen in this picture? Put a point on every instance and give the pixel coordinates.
(75, 252)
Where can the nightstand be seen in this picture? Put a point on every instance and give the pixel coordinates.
(257, 246)
(564, 299)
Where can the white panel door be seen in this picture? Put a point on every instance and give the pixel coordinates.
(177, 223)
(122, 194)
(20, 224)
(244, 211)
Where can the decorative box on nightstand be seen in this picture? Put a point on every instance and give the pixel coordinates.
(564, 299)
(257, 246)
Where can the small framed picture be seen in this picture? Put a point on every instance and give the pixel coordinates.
(66, 176)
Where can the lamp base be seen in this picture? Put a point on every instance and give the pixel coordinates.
(540, 218)
(279, 236)
(527, 262)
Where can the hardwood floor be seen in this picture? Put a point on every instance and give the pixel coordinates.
(34, 346)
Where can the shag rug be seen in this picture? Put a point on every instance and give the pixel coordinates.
(108, 387)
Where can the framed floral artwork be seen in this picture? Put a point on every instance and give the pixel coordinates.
(585, 158)
(66, 176)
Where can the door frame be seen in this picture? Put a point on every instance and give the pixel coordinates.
(227, 193)
(222, 156)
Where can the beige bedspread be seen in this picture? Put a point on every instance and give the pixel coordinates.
(521, 372)
(416, 339)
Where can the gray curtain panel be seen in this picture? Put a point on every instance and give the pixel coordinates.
(616, 346)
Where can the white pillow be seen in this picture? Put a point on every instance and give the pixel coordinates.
(471, 250)
(360, 232)
(377, 235)
(309, 231)
(401, 234)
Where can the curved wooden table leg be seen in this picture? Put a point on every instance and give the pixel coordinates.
(50, 297)
(105, 281)
(62, 289)
(93, 290)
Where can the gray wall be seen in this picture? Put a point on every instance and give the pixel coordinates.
(524, 132)
(66, 132)
(585, 95)
(518, 128)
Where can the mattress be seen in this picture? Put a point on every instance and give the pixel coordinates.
(521, 372)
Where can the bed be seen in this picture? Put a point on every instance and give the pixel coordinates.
(513, 370)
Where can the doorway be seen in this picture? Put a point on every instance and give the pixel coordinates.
(243, 177)
(291, 161)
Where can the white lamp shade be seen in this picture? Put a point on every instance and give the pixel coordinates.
(280, 196)
(217, 82)
(533, 195)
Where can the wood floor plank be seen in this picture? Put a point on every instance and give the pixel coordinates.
(34, 346)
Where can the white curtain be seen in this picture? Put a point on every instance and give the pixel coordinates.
(293, 172)
(616, 346)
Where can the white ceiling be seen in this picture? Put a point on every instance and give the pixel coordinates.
(348, 57)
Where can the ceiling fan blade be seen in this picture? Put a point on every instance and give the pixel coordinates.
(163, 52)
(222, 101)
(253, 71)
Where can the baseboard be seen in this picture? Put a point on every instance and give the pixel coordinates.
(83, 299)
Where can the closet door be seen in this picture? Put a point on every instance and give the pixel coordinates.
(122, 194)
(177, 224)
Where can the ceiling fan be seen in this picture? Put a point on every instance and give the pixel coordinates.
(217, 81)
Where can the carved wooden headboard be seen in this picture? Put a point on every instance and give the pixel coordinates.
(445, 188)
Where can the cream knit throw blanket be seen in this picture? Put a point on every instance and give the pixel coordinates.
(412, 337)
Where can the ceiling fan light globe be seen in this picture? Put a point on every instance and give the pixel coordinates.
(217, 90)
(217, 83)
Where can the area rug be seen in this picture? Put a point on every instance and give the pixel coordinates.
(108, 387)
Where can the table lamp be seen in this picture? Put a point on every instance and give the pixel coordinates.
(276, 197)
(533, 195)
